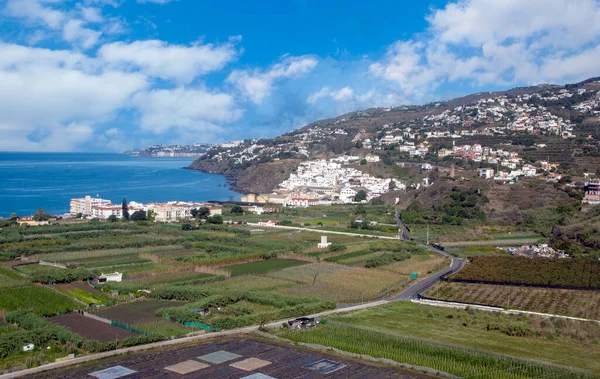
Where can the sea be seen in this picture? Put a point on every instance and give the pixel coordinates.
(29, 181)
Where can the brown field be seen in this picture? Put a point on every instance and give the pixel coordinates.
(421, 264)
(139, 312)
(339, 283)
(79, 285)
(90, 328)
(574, 303)
(278, 361)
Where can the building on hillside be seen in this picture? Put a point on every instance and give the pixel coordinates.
(487, 173)
(84, 205)
(114, 277)
(104, 211)
(29, 221)
(301, 202)
(442, 153)
(592, 192)
(372, 158)
(267, 223)
(177, 210)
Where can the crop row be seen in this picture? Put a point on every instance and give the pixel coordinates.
(461, 362)
(567, 273)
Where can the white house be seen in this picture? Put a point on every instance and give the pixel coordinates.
(323, 244)
(267, 223)
(114, 277)
(487, 173)
(372, 158)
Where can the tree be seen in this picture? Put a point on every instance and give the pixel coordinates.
(201, 213)
(139, 216)
(112, 218)
(186, 227)
(360, 211)
(216, 219)
(360, 196)
(151, 215)
(363, 162)
(125, 210)
(392, 185)
(237, 210)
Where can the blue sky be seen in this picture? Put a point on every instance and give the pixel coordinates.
(108, 75)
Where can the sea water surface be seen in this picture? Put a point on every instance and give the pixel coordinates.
(29, 181)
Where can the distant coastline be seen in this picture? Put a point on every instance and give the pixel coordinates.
(50, 180)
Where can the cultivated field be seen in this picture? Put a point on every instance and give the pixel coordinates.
(339, 283)
(567, 273)
(280, 361)
(262, 266)
(138, 312)
(90, 328)
(549, 341)
(576, 303)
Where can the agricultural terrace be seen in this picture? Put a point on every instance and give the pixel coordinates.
(565, 273)
(567, 302)
(240, 276)
(465, 343)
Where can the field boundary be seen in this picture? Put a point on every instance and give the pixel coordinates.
(491, 308)
(518, 284)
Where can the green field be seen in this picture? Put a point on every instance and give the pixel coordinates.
(552, 341)
(262, 266)
(467, 363)
(37, 299)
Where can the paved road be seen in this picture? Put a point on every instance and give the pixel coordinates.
(428, 282)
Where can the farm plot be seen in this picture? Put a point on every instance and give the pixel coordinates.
(90, 328)
(339, 283)
(10, 278)
(251, 283)
(576, 303)
(39, 300)
(262, 266)
(83, 292)
(451, 359)
(421, 264)
(278, 361)
(566, 273)
(171, 277)
(139, 312)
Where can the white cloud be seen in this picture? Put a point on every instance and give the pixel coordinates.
(46, 92)
(167, 61)
(343, 94)
(194, 110)
(257, 85)
(75, 33)
(508, 42)
(36, 11)
(91, 14)
(155, 1)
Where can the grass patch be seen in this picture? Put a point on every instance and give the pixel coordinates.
(165, 329)
(37, 299)
(262, 266)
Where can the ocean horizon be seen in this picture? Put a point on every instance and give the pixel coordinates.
(29, 181)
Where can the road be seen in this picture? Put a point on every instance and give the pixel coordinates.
(428, 282)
